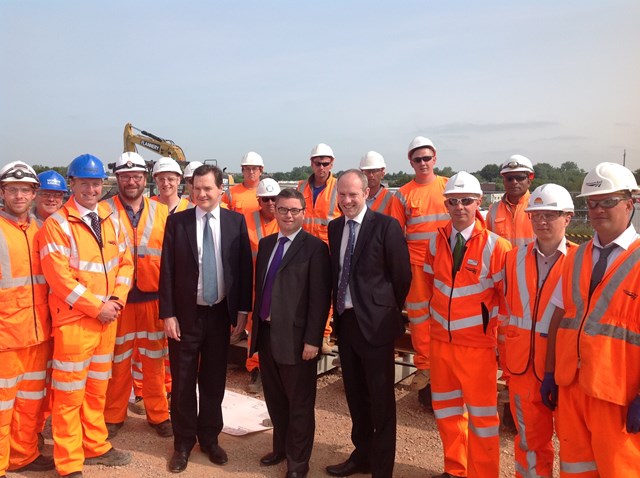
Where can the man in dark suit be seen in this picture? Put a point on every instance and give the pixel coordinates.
(293, 294)
(205, 289)
(371, 279)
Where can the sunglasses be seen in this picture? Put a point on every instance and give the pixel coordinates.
(465, 201)
(515, 177)
(268, 199)
(423, 159)
(321, 165)
(607, 203)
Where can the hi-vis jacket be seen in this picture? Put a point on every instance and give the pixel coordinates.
(317, 216)
(82, 275)
(383, 202)
(529, 309)
(420, 210)
(144, 241)
(240, 198)
(601, 335)
(464, 308)
(182, 205)
(24, 312)
(514, 226)
(258, 228)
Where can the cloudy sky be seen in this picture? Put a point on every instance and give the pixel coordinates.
(553, 80)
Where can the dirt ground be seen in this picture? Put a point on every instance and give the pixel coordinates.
(419, 452)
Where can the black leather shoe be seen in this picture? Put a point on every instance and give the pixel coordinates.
(217, 455)
(296, 474)
(347, 468)
(178, 462)
(272, 458)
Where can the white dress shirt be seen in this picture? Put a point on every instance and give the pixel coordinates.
(348, 304)
(214, 224)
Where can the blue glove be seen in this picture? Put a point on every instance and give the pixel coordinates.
(549, 392)
(633, 416)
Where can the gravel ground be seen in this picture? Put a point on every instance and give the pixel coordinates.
(419, 452)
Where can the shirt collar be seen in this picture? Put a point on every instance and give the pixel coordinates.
(201, 212)
(83, 210)
(360, 217)
(624, 240)
(466, 232)
(291, 236)
(562, 248)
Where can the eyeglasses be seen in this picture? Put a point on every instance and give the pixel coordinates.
(320, 164)
(251, 168)
(544, 216)
(125, 179)
(269, 199)
(170, 180)
(50, 194)
(465, 201)
(372, 171)
(515, 177)
(14, 190)
(422, 159)
(283, 211)
(607, 203)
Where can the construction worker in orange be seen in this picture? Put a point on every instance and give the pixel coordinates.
(260, 223)
(321, 199)
(242, 197)
(530, 276)
(25, 325)
(139, 326)
(379, 199)
(420, 211)
(50, 195)
(167, 175)
(463, 270)
(592, 368)
(88, 267)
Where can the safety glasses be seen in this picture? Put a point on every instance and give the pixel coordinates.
(607, 203)
(465, 201)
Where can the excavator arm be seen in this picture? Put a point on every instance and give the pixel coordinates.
(164, 147)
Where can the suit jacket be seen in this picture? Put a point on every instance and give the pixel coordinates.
(300, 299)
(380, 275)
(179, 265)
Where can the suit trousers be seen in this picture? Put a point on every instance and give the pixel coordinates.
(368, 374)
(199, 358)
(290, 393)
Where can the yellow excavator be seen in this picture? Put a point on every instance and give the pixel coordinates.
(164, 147)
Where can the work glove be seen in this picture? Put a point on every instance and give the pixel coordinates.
(633, 416)
(549, 392)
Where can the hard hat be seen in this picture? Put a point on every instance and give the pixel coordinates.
(608, 178)
(372, 160)
(166, 165)
(130, 162)
(463, 182)
(420, 142)
(517, 163)
(86, 166)
(18, 171)
(191, 167)
(550, 197)
(52, 181)
(322, 150)
(252, 159)
(268, 187)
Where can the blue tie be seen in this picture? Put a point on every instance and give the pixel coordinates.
(209, 266)
(346, 268)
(265, 308)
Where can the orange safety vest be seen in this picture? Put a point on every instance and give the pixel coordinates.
(182, 205)
(514, 226)
(82, 276)
(420, 210)
(317, 216)
(258, 228)
(382, 203)
(529, 309)
(241, 199)
(464, 310)
(24, 313)
(144, 241)
(601, 335)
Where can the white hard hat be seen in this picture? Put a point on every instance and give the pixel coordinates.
(190, 168)
(252, 159)
(463, 182)
(166, 165)
(517, 163)
(420, 142)
(608, 178)
(130, 162)
(322, 150)
(372, 160)
(18, 171)
(268, 187)
(550, 197)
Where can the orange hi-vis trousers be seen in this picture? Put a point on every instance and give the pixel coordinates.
(533, 445)
(139, 325)
(82, 356)
(22, 390)
(464, 391)
(418, 311)
(45, 409)
(138, 375)
(593, 438)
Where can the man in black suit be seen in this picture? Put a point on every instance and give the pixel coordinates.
(371, 279)
(293, 294)
(205, 289)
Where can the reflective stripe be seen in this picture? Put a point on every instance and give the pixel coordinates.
(483, 432)
(417, 305)
(13, 381)
(419, 236)
(24, 395)
(137, 375)
(123, 280)
(75, 294)
(458, 324)
(97, 375)
(153, 354)
(440, 396)
(463, 291)
(448, 412)
(428, 269)
(522, 429)
(149, 251)
(123, 356)
(332, 202)
(303, 185)
(70, 366)
(104, 358)
(491, 215)
(143, 334)
(5, 257)
(6, 283)
(489, 411)
(125, 338)
(413, 220)
(316, 220)
(578, 466)
(50, 248)
(6, 404)
(258, 224)
(383, 203)
(86, 266)
(419, 319)
(68, 386)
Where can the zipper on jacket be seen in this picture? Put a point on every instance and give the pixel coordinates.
(33, 288)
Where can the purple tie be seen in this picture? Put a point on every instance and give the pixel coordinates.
(267, 289)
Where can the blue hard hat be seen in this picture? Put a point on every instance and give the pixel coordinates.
(86, 166)
(52, 181)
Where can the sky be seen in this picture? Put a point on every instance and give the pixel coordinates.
(554, 80)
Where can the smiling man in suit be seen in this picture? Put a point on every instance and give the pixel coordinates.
(293, 293)
(371, 279)
(205, 289)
